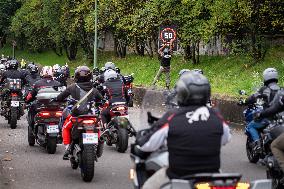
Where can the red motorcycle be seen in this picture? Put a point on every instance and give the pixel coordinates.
(119, 128)
(128, 80)
(86, 146)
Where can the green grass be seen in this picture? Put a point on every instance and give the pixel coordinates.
(227, 74)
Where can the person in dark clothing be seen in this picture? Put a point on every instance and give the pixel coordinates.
(267, 94)
(11, 73)
(114, 90)
(165, 53)
(194, 133)
(33, 76)
(77, 91)
(46, 81)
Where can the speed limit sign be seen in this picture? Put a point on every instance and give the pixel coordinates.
(168, 34)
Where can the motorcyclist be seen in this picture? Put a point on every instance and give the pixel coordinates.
(23, 67)
(59, 75)
(266, 93)
(277, 146)
(114, 90)
(77, 91)
(46, 81)
(2, 69)
(34, 75)
(194, 133)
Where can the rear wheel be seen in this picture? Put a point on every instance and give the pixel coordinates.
(88, 163)
(31, 137)
(252, 156)
(122, 140)
(51, 145)
(13, 118)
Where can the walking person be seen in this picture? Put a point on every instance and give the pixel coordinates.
(165, 53)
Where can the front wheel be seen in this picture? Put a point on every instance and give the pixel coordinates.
(252, 156)
(13, 118)
(130, 101)
(88, 163)
(51, 145)
(122, 140)
(275, 181)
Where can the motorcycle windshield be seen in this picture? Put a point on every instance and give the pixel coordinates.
(47, 93)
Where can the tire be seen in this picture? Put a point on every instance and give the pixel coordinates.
(13, 118)
(100, 149)
(31, 137)
(51, 145)
(122, 140)
(130, 101)
(88, 163)
(275, 181)
(252, 157)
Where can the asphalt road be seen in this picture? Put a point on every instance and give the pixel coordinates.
(26, 167)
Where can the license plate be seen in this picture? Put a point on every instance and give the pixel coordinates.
(90, 138)
(125, 116)
(15, 103)
(52, 129)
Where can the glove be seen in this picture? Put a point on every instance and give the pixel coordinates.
(256, 116)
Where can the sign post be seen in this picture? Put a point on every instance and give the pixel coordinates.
(14, 43)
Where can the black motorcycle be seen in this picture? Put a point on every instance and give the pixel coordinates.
(128, 80)
(274, 171)
(12, 102)
(44, 128)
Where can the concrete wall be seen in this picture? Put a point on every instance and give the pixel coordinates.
(155, 98)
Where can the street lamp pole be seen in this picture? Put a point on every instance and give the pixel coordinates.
(96, 35)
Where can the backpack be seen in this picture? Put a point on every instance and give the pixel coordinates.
(81, 107)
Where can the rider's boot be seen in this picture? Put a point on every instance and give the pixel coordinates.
(67, 152)
(257, 146)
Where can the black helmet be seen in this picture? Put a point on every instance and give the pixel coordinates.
(193, 89)
(83, 74)
(32, 68)
(96, 71)
(117, 69)
(13, 64)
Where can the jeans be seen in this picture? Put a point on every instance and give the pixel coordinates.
(165, 70)
(252, 129)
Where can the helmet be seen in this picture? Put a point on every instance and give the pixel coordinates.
(109, 65)
(110, 74)
(46, 71)
(33, 68)
(3, 60)
(270, 74)
(13, 64)
(56, 68)
(83, 74)
(193, 89)
(2, 67)
(96, 71)
(183, 71)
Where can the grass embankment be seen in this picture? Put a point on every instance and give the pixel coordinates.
(226, 74)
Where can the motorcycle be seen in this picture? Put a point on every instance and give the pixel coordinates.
(252, 156)
(12, 104)
(119, 129)
(146, 164)
(86, 146)
(274, 171)
(128, 80)
(45, 129)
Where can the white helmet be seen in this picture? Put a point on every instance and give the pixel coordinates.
(181, 72)
(2, 67)
(270, 74)
(46, 71)
(109, 65)
(56, 68)
(110, 74)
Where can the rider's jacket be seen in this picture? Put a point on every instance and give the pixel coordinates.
(75, 90)
(194, 137)
(32, 78)
(277, 105)
(45, 82)
(267, 93)
(115, 90)
(12, 74)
